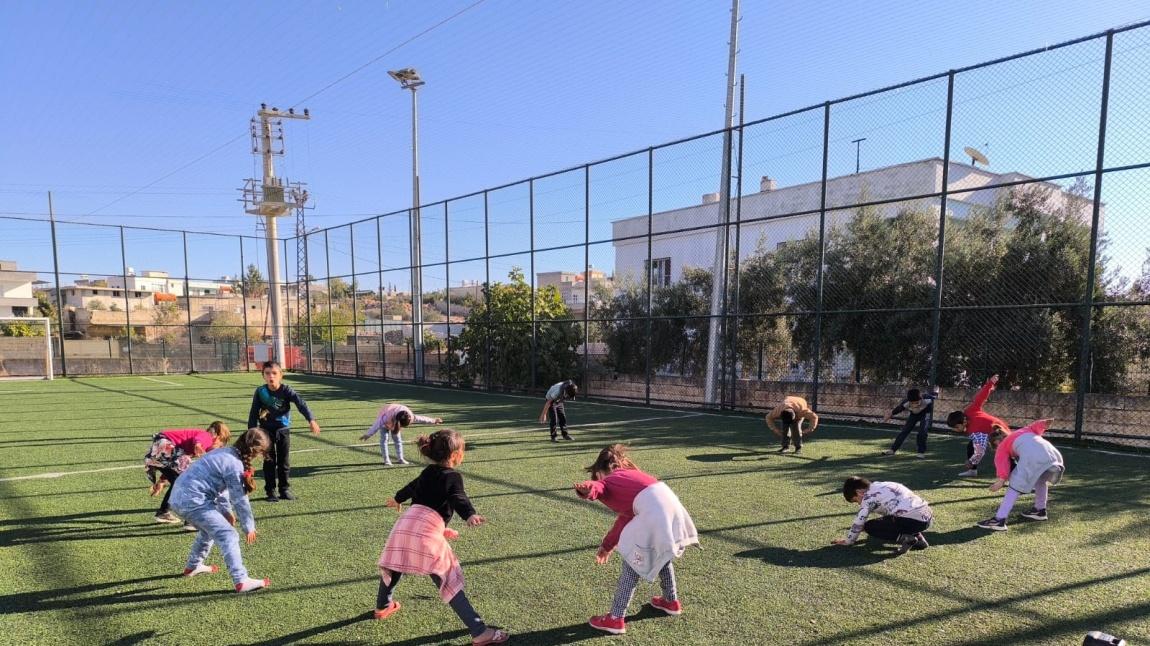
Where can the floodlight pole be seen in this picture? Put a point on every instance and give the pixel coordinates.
(409, 79)
(719, 276)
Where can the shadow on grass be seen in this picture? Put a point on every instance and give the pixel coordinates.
(829, 556)
(316, 630)
(137, 638)
(956, 536)
(73, 597)
(572, 634)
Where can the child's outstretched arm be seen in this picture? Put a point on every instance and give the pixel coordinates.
(543, 413)
(612, 537)
(254, 412)
(897, 409)
(589, 489)
(424, 419)
(773, 420)
(983, 395)
(460, 502)
(813, 418)
(865, 509)
(239, 501)
(375, 428)
(300, 404)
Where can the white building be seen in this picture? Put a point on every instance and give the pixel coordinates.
(16, 296)
(161, 282)
(98, 294)
(572, 285)
(672, 248)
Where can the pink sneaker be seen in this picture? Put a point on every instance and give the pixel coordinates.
(390, 610)
(251, 585)
(201, 569)
(669, 607)
(607, 623)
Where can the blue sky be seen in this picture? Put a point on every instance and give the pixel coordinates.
(107, 98)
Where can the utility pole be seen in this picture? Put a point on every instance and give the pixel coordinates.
(858, 147)
(409, 79)
(269, 199)
(722, 232)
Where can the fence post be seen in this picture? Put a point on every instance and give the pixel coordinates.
(586, 279)
(1091, 273)
(444, 373)
(330, 326)
(188, 300)
(244, 301)
(487, 290)
(127, 303)
(647, 371)
(822, 258)
(354, 300)
(734, 328)
(59, 288)
(382, 334)
(940, 253)
(531, 282)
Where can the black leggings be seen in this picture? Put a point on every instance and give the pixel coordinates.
(277, 461)
(889, 528)
(458, 603)
(170, 475)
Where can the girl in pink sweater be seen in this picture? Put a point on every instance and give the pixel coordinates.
(1039, 465)
(652, 529)
(171, 454)
(392, 419)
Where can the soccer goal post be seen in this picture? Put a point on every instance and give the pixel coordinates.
(25, 347)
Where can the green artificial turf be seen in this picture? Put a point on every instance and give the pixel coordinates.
(81, 560)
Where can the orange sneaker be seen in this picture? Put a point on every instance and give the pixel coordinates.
(390, 610)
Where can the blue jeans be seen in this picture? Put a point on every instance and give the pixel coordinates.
(397, 439)
(923, 421)
(213, 528)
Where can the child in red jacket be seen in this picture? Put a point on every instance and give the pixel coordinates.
(652, 529)
(978, 425)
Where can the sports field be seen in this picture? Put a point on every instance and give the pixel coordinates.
(81, 560)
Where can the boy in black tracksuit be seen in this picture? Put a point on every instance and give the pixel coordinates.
(921, 409)
(271, 411)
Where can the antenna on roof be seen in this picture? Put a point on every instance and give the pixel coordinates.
(976, 157)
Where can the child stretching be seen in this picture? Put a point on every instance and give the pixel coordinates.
(271, 411)
(921, 409)
(651, 530)
(418, 544)
(905, 516)
(171, 454)
(792, 412)
(553, 410)
(392, 419)
(1039, 466)
(978, 424)
(212, 494)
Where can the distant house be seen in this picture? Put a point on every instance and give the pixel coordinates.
(16, 296)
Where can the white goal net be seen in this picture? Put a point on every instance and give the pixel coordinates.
(25, 347)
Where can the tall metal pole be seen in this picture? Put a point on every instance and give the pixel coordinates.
(59, 288)
(1091, 269)
(940, 252)
(822, 257)
(188, 300)
(127, 303)
(244, 288)
(718, 283)
(416, 241)
(271, 234)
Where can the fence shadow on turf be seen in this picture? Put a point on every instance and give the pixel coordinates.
(572, 634)
(71, 598)
(314, 631)
(829, 556)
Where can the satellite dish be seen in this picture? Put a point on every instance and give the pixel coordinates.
(976, 157)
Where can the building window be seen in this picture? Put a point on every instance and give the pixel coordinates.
(19, 311)
(139, 295)
(782, 245)
(115, 293)
(660, 269)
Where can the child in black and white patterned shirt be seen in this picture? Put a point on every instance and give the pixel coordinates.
(905, 516)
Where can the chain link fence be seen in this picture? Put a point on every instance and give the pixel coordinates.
(868, 247)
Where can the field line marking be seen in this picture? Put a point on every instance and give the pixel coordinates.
(160, 381)
(47, 476)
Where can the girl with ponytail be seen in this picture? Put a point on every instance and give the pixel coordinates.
(211, 496)
(418, 544)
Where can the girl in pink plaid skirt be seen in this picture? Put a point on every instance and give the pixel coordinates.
(418, 543)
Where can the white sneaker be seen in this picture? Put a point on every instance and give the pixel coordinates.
(888, 452)
(387, 464)
(402, 461)
(251, 585)
(920, 456)
(969, 473)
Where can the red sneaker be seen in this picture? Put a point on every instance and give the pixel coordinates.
(669, 607)
(391, 609)
(607, 623)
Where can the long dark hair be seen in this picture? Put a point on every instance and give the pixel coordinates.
(252, 444)
(610, 458)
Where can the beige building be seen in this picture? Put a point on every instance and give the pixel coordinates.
(16, 296)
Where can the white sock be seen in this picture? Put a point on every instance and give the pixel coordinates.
(201, 569)
(249, 584)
